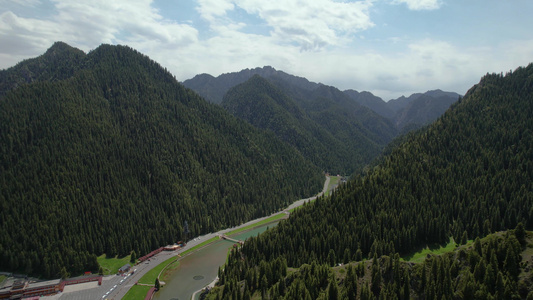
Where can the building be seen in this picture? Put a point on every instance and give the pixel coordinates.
(171, 247)
(24, 289)
(124, 269)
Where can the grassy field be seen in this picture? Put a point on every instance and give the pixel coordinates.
(265, 221)
(419, 256)
(2, 278)
(169, 270)
(436, 249)
(209, 241)
(333, 181)
(111, 265)
(137, 292)
(149, 278)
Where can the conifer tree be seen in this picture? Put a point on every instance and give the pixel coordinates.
(157, 284)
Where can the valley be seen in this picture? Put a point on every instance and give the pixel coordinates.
(453, 180)
(203, 249)
(105, 153)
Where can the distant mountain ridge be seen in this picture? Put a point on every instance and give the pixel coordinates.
(418, 109)
(373, 102)
(213, 88)
(332, 137)
(323, 123)
(403, 112)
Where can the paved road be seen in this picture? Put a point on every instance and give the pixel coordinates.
(90, 291)
(302, 201)
(108, 284)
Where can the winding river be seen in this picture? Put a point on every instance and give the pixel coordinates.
(200, 268)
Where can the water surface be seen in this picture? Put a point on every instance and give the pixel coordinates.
(201, 267)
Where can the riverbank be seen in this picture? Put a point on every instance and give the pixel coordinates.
(200, 268)
(329, 185)
(210, 286)
(205, 240)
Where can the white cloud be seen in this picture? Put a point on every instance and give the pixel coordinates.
(310, 24)
(422, 65)
(382, 64)
(213, 9)
(420, 4)
(122, 21)
(22, 35)
(515, 53)
(229, 52)
(87, 25)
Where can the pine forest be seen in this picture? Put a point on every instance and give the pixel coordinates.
(468, 176)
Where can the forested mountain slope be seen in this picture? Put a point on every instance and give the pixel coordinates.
(375, 103)
(403, 102)
(118, 155)
(335, 111)
(495, 267)
(361, 122)
(423, 110)
(330, 137)
(59, 62)
(408, 112)
(467, 175)
(405, 113)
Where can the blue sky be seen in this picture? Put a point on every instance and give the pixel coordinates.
(388, 47)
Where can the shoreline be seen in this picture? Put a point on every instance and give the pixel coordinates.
(284, 211)
(179, 256)
(196, 244)
(211, 285)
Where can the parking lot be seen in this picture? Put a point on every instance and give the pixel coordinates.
(88, 291)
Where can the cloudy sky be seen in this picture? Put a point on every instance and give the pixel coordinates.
(388, 47)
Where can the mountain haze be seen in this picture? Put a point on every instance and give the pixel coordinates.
(414, 111)
(375, 103)
(424, 109)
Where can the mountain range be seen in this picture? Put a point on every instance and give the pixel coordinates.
(460, 189)
(414, 111)
(335, 133)
(107, 153)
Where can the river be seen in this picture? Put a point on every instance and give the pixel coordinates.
(200, 268)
